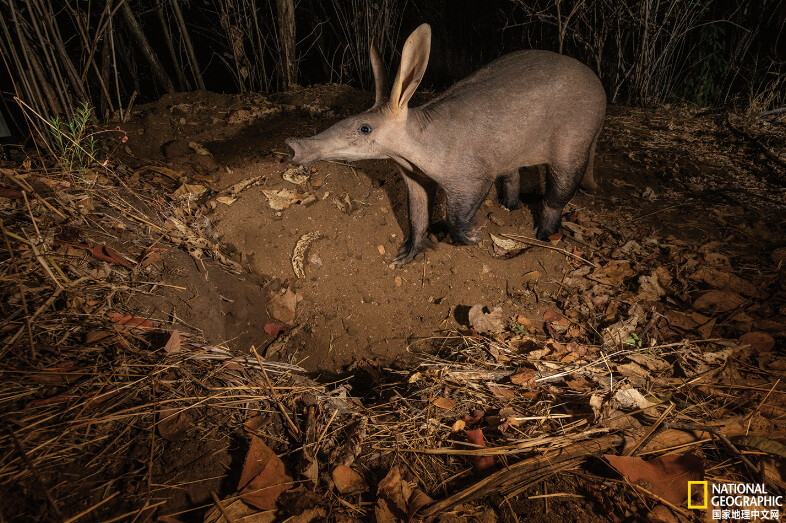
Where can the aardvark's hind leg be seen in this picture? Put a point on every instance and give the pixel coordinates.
(463, 200)
(509, 190)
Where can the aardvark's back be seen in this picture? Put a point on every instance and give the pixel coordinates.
(520, 108)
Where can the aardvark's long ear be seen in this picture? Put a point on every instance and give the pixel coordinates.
(414, 59)
(380, 78)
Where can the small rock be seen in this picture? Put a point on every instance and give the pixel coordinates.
(314, 259)
(381, 249)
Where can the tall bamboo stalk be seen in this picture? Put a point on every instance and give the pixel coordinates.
(182, 83)
(192, 59)
(150, 55)
(44, 96)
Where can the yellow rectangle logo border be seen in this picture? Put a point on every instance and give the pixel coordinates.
(705, 491)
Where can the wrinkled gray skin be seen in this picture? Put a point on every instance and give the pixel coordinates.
(526, 108)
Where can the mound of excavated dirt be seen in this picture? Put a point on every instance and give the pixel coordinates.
(660, 172)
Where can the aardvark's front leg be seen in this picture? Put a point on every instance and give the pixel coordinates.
(418, 217)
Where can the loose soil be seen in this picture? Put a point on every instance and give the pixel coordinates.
(669, 172)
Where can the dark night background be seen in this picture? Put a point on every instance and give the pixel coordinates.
(703, 52)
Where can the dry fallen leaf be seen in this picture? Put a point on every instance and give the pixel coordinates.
(666, 476)
(443, 403)
(173, 423)
(190, 191)
(713, 302)
(630, 398)
(226, 200)
(478, 439)
(492, 322)
(282, 306)
(348, 481)
(263, 478)
(175, 343)
(130, 323)
(524, 378)
(392, 496)
(296, 175)
(759, 341)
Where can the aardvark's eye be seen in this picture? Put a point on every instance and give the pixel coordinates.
(364, 129)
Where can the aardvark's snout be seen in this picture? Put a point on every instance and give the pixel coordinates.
(292, 148)
(301, 152)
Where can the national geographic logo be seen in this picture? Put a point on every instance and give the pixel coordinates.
(734, 501)
(692, 488)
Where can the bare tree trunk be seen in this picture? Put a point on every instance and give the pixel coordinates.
(286, 36)
(192, 59)
(150, 55)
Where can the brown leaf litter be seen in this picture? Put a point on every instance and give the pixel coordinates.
(662, 356)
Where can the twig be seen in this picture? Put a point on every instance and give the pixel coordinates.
(295, 430)
(643, 441)
(518, 472)
(758, 407)
(91, 509)
(772, 111)
(221, 508)
(43, 263)
(25, 186)
(672, 506)
(546, 245)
